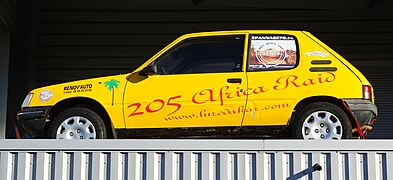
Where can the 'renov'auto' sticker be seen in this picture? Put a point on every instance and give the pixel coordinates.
(78, 88)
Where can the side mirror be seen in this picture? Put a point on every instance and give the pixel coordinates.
(148, 70)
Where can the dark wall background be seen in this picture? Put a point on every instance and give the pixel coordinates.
(74, 39)
(15, 17)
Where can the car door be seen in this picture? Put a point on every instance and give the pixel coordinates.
(271, 70)
(197, 83)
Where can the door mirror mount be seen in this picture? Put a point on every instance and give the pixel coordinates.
(148, 70)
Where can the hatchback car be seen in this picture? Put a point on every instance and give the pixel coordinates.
(259, 83)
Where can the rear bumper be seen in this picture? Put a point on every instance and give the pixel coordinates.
(33, 120)
(364, 111)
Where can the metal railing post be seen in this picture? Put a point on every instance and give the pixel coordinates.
(4, 63)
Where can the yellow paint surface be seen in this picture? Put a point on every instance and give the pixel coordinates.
(207, 100)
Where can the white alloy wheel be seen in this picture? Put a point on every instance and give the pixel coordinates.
(322, 125)
(76, 127)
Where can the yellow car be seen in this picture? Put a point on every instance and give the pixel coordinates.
(257, 83)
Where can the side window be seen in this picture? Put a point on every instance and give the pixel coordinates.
(269, 52)
(203, 55)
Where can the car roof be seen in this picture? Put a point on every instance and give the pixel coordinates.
(241, 32)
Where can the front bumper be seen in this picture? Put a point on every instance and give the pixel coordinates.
(33, 120)
(364, 111)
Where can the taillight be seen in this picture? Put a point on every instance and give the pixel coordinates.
(367, 92)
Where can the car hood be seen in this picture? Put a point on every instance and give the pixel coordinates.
(102, 89)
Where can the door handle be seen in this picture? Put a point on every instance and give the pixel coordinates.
(234, 80)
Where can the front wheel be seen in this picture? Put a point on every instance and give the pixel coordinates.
(321, 120)
(77, 123)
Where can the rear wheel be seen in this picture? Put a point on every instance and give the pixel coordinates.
(77, 123)
(321, 120)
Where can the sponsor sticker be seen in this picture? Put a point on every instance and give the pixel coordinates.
(272, 51)
(317, 53)
(78, 88)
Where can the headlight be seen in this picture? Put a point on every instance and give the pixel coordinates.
(27, 100)
(45, 95)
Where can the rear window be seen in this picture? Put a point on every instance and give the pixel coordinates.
(270, 52)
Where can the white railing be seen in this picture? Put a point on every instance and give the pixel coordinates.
(184, 159)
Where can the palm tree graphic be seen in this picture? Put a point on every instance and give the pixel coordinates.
(112, 84)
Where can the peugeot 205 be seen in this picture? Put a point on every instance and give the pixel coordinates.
(261, 84)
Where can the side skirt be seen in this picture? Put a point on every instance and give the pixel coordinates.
(206, 132)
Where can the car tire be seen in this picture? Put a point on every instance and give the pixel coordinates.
(321, 120)
(77, 123)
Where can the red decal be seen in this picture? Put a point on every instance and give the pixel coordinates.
(149, 110)
(247, 92)
(227, 92)
(239, 110)
(330, 78)
(292, 80)
(178, 106)
(287, 80)
(259, 90)
(222, 93)
(202, 93)
(138, 105)
(239, 92)
(160, 101)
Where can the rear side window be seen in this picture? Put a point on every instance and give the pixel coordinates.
(204, 55)
(271, 52)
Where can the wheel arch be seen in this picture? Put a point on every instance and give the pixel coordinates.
(338, 102)
(86, 103)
